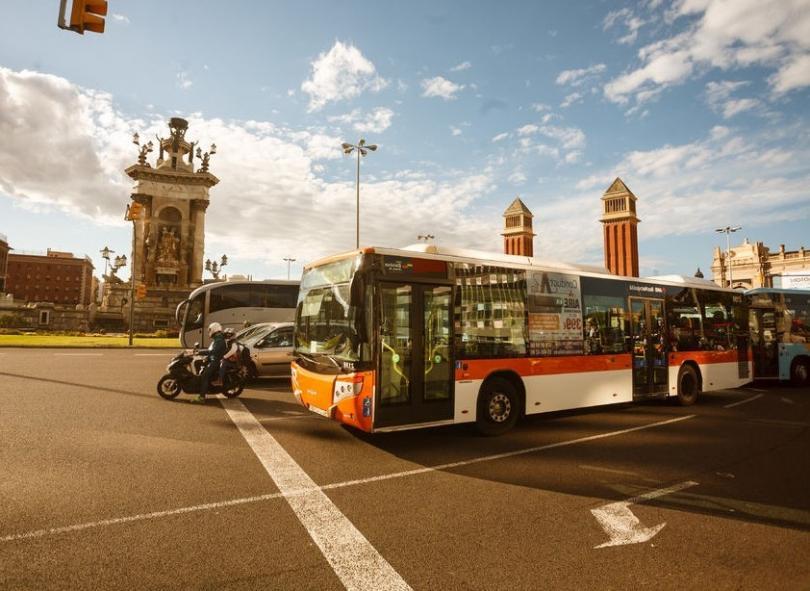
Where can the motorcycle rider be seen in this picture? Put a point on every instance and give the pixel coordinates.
(215, 353)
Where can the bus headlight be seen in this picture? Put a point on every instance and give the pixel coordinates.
(346, 387)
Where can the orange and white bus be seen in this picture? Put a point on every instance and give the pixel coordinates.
(398, 339)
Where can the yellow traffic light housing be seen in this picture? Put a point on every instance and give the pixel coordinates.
(88, 15)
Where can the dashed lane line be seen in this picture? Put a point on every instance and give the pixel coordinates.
(336, 485)
(746, 401)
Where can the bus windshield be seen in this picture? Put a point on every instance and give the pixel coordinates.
(329, 319)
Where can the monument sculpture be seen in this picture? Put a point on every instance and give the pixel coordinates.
(169, 240)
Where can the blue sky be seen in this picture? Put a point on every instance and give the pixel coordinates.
(701, 106)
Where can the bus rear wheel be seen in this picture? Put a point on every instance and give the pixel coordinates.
(800, 372)
(498, 407)
(688, 386)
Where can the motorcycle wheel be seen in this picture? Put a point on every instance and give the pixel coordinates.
(168, 387)
(233, 386)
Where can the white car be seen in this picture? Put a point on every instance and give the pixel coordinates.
(271, 349)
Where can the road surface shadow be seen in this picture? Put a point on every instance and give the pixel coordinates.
(79, 385)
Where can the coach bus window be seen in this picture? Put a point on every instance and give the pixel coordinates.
(230, 296)
(490, 311)
(194, 314)
(273, 296)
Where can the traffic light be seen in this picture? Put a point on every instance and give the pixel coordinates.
(88, 15)
(134, 211)
(140, 291)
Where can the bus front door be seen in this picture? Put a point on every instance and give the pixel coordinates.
(415, 358)
(648, 326)
(762, 323)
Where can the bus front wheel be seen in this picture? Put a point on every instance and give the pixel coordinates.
(498, 407)
(688, 386)
(800, 372)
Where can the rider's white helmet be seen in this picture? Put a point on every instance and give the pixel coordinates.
(214, 328)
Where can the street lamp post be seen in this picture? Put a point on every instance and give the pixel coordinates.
(362, 149)
(727, 230)
(105, 254)
(289, 260)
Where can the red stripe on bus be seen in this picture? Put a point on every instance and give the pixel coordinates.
(703, 357)
(478, 369)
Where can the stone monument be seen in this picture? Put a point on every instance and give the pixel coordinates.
(169, 236)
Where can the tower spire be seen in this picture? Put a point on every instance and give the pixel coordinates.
(620, 223)
(518, 236)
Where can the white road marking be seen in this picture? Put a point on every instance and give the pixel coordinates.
(608, 470)
(787, 400)
(747, 400)
(79, 354)
(622, 526)
(355, 561)
(756, 390)
(153, 354)
(240, 501)
(39, 533)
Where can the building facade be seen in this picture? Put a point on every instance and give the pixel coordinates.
(619, 222)
(56, 277)
(752, 265)
(4, 248)
(518, 236)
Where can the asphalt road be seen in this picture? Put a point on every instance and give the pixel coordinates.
(104, 485)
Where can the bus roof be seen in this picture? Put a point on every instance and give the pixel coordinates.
(431, 251)
(216, 284)
(757, 290)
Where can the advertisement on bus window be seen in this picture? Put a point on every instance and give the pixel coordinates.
(555, 314)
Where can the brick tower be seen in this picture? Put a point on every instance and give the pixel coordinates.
(621, 235)
(518, 237)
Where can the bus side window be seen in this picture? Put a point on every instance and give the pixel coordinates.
(605, 323)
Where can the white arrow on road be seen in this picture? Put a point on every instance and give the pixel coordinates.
(622, 526)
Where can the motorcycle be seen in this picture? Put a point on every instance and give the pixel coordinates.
(185, 369)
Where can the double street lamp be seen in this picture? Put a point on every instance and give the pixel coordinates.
(214, 268)
(727, 230)
(289, 260)
(362, 149)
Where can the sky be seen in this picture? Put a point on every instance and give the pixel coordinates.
(700, 106)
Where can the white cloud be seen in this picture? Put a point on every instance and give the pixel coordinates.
(726, 35)
(794, 73)
(375, 121)
(341, 73)
(529, 129)
(441, 87)
(570, 99)
(120, 18)
(718, 95)
(65, 148)
(631, 22)
(518, 177)
(579, 76)
(500, 137)
(183, 80)
(461, 67)
(455, 131)
(569, 137)
(540, 107)
(735, 106)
